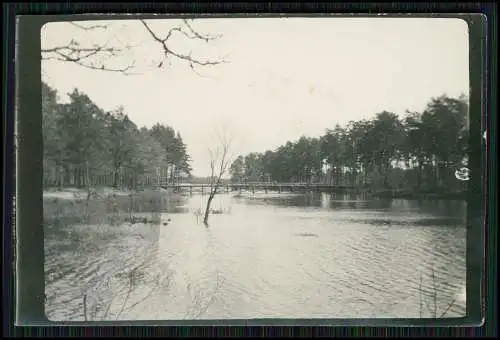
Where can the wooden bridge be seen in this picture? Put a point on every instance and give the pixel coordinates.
(259, 186)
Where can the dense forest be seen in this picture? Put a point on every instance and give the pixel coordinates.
(86, 146)
(419, 152)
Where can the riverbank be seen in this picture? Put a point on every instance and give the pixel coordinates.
(367, 192)
(415, 195)
(106, 205)
(82, 193)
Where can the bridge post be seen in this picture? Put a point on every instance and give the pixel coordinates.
(202, 189)
(265, 189)
(253, 189)
(191, 190)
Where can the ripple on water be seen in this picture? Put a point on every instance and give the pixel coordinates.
(268, 258)
(90, 270)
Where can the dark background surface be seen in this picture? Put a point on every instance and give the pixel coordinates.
(30, 273)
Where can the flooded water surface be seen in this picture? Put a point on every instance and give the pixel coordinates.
(267, 256)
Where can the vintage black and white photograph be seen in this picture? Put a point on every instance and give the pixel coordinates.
(255, 168)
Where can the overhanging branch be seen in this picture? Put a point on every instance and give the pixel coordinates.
(88, 28)
(192, 61)
(98, 57)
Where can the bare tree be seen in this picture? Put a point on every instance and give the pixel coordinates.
(103, 56)
(219, 162)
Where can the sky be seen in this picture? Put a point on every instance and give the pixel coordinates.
(284, 77)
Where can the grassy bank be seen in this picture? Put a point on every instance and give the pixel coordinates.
(423, 195)
(105, 206)
(377, 193)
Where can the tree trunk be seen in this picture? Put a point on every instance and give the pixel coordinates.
(436, 174)
(60, 176)
(385, 170)
(60, 172)
(79, 177)
(172, 174)
(115, 175)
(87, 178)
(439, 175)
(74, 174)
(207, 209)
(419, 175)
(89, 191)
(115, 179)
(67, 176)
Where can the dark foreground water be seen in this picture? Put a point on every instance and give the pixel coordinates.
(268, 256)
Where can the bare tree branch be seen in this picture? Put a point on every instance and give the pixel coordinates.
(92, 66)
(88, 57)
(82, 56)
(212, 169)
(88, 28)
(218, 158)
(198, 35)
(94, 57)
(184, 57)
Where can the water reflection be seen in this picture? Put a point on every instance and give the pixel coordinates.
(269, 256)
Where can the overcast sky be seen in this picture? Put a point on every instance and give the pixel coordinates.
(285, 77)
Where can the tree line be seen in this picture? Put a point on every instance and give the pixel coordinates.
(85, 145)
(420, 151)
